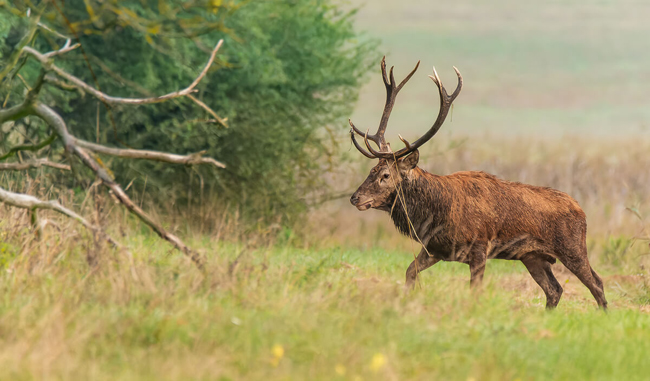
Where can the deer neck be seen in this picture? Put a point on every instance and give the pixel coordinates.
(419, 204)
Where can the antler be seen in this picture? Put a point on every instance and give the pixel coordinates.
(391, 93)
(445, 103)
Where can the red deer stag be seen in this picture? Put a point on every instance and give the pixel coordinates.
(469, 217)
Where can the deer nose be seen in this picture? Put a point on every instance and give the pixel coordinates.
(354, 200)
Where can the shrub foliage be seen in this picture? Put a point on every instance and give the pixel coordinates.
(288, 72)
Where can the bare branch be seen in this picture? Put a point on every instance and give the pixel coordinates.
(66, 48)
(24, 82)
(119, 100)
(32, 203)
(34, 91)
(29, 147)
(205, 69)
(190, 159)
(31, 106)
(54, 32)
(221, 121)
(58, 124)
(33, 164)
(53, 80)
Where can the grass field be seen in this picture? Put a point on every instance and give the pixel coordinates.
(287, 313)
(327, 301)
(555, 95)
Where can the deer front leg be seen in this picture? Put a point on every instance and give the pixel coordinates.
(421, 263)
(477, 261)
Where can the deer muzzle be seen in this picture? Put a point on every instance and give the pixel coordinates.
(361, 204)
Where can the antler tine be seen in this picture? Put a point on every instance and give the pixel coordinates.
(458, 86)
(362, 134)
(406, 143)
(383, 72)
(372, 150)
(363, 151)
(391, 93)
(445, 103)
(417, 65)
(354, 128)
(435, 77)
(389, 83)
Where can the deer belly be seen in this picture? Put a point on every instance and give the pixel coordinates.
(512, 249)
(515, 248)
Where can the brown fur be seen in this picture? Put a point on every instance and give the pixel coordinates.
(470, 217)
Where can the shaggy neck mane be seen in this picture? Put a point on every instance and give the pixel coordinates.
(421, 195)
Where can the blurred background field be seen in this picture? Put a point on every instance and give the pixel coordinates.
(555, 95)
(544, 69)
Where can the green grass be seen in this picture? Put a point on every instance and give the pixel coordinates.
(341, 313)
(288, 313)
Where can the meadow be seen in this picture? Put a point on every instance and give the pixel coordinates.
(283, 312)
(327, 301)
(554, 96)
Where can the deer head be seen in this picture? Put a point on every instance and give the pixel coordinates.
(379, 189)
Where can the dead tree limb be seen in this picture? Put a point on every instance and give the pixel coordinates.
(80, 148)
(54, 80)
(165, 157)
(52, 31)
(56, 122)
(66, 48)
(32, 203)
(221, 121)
(36, 163)
(49, 65)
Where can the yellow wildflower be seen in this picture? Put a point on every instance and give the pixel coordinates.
(378, 361)
(278, 353)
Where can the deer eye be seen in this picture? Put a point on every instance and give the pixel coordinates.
(385, 176)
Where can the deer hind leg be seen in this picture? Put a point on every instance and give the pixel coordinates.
(421, 263)
(540, 270)
(579, 266)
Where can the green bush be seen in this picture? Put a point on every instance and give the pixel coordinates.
(288, 72)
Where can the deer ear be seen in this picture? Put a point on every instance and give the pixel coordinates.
(409, 162)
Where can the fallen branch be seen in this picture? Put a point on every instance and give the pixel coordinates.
(81, 149)
(165, 157)
(58, 124)
(32, 203)
(31, 164)
(31, 107)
